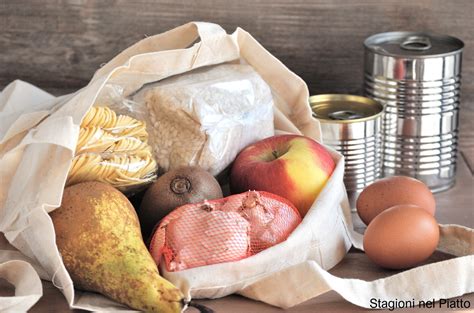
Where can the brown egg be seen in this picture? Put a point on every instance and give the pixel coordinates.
(391, 191)
(401, 237)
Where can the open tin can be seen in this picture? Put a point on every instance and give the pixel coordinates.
(417, 78)
(352, 126)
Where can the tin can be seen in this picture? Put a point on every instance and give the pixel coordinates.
(416, 77)
(351, 125)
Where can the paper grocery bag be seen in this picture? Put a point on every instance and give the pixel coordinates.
(38, 134)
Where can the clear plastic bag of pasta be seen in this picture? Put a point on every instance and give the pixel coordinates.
(112, 148)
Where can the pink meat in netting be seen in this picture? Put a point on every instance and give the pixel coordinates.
(223, 230)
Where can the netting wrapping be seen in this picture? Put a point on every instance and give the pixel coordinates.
(223, 230)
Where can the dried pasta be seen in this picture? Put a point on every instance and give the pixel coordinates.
(94, 139)
(100, 116)
(128, 126)
(112, 149)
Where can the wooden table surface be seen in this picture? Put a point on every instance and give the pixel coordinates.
(453, 206)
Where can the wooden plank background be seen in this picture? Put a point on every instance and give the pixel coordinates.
(58, 44)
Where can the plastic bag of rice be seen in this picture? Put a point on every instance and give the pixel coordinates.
(206, 116)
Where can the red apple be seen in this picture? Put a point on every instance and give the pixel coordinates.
(291, 166)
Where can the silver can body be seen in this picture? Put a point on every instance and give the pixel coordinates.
(417, 78)
(352, 126)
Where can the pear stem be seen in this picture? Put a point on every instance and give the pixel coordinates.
(200, 307)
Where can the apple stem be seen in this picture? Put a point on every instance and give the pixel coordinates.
(275, 154)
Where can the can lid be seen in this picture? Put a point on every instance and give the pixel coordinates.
(413, 44)
(338, 108)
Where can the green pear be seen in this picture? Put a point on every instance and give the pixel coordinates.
(98, 236)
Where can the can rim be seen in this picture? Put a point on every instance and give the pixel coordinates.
(315, 99)
(368, 44)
